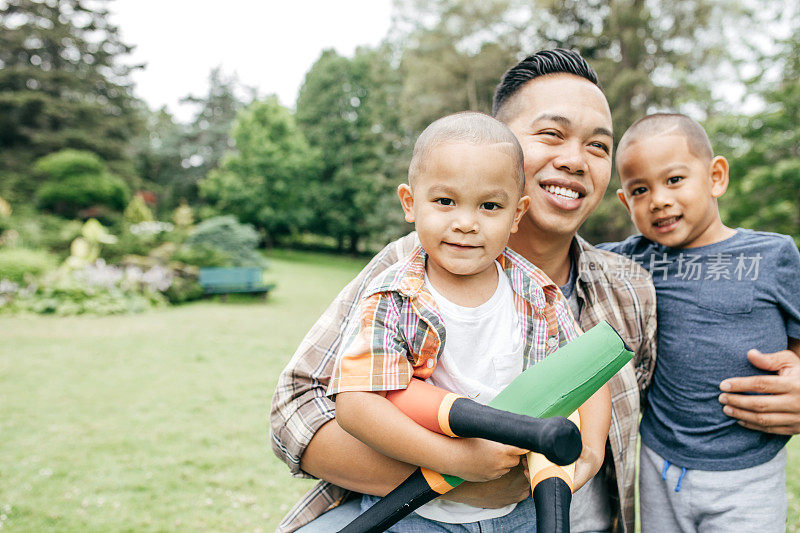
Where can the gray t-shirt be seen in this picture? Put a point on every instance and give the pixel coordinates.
(590, 509)
(714, 303)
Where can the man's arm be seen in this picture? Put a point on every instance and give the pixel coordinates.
(595, 421)
(772, 402)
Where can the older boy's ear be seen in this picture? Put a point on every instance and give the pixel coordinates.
(719, 176)
(522, 206)
(621, 196)
(406, 200)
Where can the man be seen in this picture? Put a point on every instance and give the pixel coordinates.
(554, 105)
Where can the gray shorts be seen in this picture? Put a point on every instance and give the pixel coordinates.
(675, 499)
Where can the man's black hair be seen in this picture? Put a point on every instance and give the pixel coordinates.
(555, 61)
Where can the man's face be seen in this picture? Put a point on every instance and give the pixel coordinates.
(563, 123)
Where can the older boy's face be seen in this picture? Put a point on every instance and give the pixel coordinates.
(464, 204)
(564, 126)
(669, 192)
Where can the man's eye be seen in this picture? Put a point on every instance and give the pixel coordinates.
(674, 179)
(638, 190)
(444, 201)
(490, 206)
(602, 146)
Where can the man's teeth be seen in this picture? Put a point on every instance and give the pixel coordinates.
(561, 191)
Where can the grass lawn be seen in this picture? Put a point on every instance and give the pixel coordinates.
(158, 421)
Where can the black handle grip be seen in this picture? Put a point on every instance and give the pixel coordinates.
(556, 438)
(411, 494)
(552, 497)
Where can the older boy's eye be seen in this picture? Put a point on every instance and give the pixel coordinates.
(490, 206)
(444, 201)
(674, 179)
(638, 190)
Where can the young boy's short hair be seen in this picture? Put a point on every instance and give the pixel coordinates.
(468, 127)
(666, 124)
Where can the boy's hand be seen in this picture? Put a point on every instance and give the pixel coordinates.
(483, 460)
(775, 408)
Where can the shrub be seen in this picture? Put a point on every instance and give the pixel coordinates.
(21, 265)
(238, 241)
(77, 181)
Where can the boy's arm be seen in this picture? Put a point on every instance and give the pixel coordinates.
(374, 420)
(595, 422)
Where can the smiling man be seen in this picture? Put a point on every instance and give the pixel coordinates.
(554, 105)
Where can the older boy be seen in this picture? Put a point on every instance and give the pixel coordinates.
(720, 291)
(465, 197)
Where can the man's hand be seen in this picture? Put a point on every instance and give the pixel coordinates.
(510, 488)
(775, 408)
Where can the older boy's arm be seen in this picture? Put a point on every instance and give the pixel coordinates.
(775, 408)
(595, 421)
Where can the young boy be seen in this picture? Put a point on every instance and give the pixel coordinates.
(720, 293)
(498, 313)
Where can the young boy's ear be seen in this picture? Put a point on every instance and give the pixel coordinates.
(522, 206)
(621, 196)
(406, 200)
(718, 173)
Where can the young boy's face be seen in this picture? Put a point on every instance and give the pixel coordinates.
(464, 204)
(671, 193)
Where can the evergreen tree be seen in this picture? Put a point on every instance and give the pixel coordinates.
(62, 85)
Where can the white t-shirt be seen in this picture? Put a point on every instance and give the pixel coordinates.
(482, 354)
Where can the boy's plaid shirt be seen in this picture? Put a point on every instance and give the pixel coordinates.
(609, 286)
(402, 335)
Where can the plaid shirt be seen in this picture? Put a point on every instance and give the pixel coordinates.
(402, 334)
(610, 287)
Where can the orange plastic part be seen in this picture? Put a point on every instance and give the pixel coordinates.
(425, 404)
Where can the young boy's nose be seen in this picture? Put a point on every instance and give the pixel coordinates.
(464, 221)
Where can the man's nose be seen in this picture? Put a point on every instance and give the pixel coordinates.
(572, 158)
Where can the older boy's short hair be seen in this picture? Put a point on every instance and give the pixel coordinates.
(666, 124)
(468, 127)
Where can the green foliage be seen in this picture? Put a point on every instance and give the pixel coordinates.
(203, 255)
(23, 265)
(265, 181)
(75, 181)
(237, 241)
(61, 86)
(764, 150)
(349, 110)
(137, 211)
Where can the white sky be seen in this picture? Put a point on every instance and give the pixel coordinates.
(269, 44)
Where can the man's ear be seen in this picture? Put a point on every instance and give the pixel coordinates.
(522, 206)
(406, 196)
(718, 173)
(621, 196)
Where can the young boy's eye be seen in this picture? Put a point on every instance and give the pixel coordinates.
(445, 201)
(638, 190)
(490, 206)
(674, 179)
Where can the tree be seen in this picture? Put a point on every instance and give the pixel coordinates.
(207, 137)
(764, 149)
(61, 86)
(348, 109)
(265, 179)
